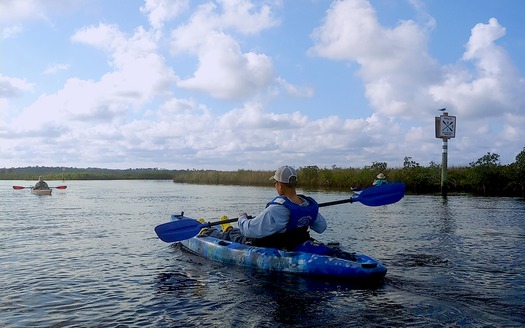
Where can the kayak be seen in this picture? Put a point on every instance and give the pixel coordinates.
(41, 191)
(310, 258)
(344, 264)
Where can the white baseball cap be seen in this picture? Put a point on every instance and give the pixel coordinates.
(285, 174)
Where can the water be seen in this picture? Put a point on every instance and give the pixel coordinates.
(87, 256)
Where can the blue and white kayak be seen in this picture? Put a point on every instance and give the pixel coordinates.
(345, 264)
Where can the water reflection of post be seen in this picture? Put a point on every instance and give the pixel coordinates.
(447, 220)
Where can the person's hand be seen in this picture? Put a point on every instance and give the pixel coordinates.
(243, 214)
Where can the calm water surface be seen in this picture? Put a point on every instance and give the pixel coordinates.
(87, 256)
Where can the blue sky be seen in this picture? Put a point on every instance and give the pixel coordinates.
(257, 84)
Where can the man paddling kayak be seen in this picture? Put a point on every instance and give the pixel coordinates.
(284, 223)
(41, 184)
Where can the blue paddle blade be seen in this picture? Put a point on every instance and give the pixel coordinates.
(179, 230)
(384, 194)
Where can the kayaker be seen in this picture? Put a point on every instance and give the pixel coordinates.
(381, 179)
(41, 184)
(286, 220)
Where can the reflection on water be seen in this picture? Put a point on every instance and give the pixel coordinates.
(88, 256)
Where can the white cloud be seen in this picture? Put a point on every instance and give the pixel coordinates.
(481, 43)
(54, 68)
(247, 17)
(295, 90)
(104, 36)
(21, 11)
(139, 75)
(11, 32)
(160, 11)
(394, 63)
(13, 87)
(493, 88)
(13, 11)
(226, 73)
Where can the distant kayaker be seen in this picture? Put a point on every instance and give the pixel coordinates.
(41, 184)
(381, 179)
(284, 223)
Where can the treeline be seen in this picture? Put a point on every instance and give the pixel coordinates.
(485, 176)
(71, 173)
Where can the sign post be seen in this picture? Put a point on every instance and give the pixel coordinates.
(445, 129)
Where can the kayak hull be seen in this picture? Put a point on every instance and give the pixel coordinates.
(41, 192)
(346, 265)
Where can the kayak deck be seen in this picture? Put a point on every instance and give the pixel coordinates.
(346, 265)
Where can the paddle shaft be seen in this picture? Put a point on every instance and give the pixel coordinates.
(209, 224)
(336, 202)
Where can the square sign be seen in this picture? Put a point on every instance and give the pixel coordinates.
(445, 127)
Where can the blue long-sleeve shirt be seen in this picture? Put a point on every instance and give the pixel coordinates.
(273, 219)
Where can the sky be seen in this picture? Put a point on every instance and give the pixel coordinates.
(256, 84)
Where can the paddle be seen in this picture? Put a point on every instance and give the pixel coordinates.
(20, 187)
(384, 194)
(59, 187)
(182, 229)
